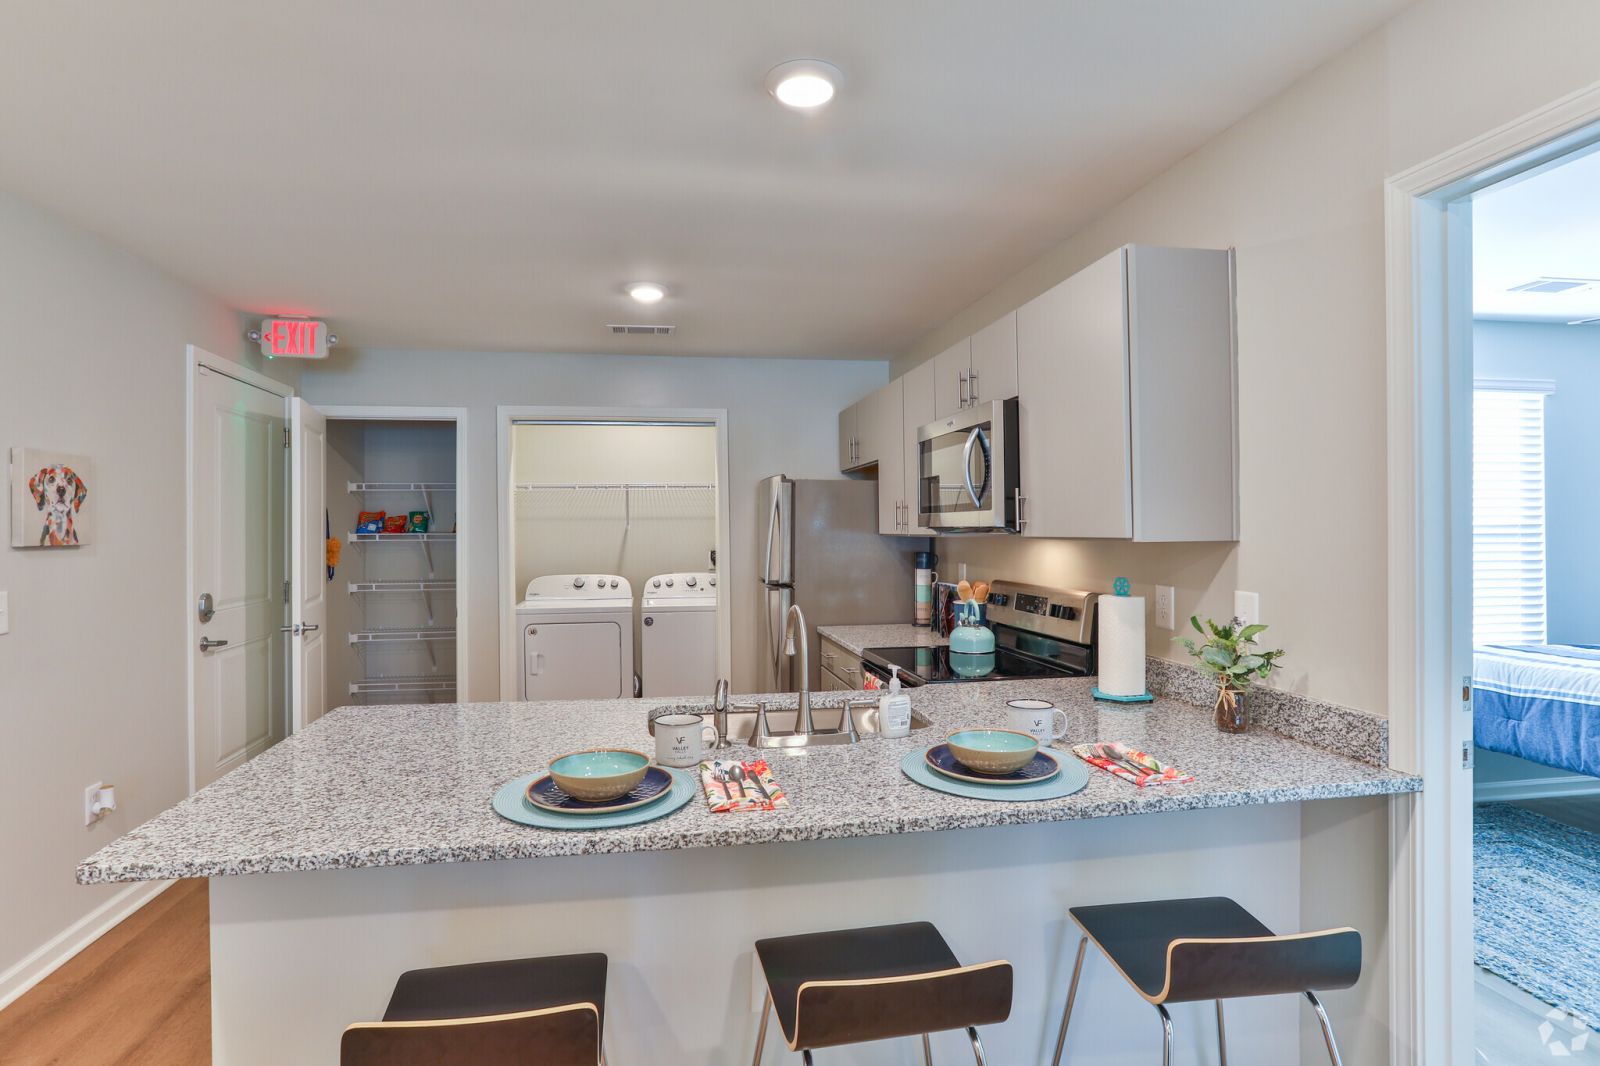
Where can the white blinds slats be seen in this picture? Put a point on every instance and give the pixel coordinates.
(1508, 520)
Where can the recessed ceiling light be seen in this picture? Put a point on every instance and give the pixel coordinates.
(646, 292)
(804, 84)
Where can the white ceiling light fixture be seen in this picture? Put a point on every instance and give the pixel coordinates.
(804, 84)
(646, 292)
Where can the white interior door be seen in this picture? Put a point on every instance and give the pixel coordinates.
(308, 493)
(240, 561)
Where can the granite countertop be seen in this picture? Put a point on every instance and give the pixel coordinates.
(409, 785)
(857, 639)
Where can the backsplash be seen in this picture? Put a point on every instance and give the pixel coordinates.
(1343, 730)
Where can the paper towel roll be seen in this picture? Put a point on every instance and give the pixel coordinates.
(1122, 646)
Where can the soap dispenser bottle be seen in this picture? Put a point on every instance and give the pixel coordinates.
(894, 709)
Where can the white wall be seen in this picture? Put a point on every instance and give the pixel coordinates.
(1570, 357)
(780, 420)
(92, 673)
(1298, 188)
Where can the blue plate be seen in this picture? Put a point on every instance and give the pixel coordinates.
(511, 803)
(1073, 777)
(1043, 767)
(547, 795)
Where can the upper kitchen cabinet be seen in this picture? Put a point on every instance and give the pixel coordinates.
(883, 435)
(919, 405)
(994, 362)
(849, 437)
(1128, 404)
(951, 369)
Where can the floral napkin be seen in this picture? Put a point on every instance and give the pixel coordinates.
(1134, 767)
(732, 785)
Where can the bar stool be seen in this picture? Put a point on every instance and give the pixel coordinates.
(854, 985)
(1184, 950)
(549, 1010)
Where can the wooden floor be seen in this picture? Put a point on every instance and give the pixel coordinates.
(1512, 1028)
(141, 994)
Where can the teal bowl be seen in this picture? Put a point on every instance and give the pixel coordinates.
(992, 751)
(601, 775)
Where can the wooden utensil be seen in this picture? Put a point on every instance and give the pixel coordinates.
(964, 590)
(980, 592)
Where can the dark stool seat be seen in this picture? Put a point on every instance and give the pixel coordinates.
(1183, 950)
(855, 985)
(505, 1013)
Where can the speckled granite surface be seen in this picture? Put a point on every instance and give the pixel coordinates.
(406, 785)
(1358, 734)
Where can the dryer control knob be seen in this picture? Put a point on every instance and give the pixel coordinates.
(613, 582)
(577, 582)
(656, 583)
(669, 582)
(689, 581)
(713, 582)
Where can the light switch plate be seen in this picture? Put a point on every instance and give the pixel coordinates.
(1166, 607)
(1247, 605)
(5, 613)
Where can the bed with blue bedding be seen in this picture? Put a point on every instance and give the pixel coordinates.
(1539, 702)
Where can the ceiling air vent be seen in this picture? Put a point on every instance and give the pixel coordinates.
(641, 331)
(1554, 285)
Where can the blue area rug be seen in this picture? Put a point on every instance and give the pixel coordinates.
(1536, 906)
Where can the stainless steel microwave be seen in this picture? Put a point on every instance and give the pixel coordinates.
(968, 472)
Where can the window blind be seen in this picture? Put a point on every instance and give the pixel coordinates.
(1508, 522)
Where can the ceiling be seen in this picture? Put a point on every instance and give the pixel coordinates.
(490, 174)
(1543, 225)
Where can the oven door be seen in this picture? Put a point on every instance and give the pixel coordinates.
(967, 470)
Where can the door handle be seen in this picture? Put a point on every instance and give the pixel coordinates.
(297, 629)
(966, 465)
(206, 644)
(309, 628)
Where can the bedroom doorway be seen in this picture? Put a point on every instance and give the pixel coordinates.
(1535, 339)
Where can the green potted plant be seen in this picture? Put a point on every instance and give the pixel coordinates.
(1228, 654)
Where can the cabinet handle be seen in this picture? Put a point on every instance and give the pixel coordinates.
(963, 378)
(1021, 521)
(972, 388)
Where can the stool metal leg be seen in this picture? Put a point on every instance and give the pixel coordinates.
(1327, 1030)
(805, 1057)
(977, 1046)
(761, 1033)
(927, 1051)
(1072, 993)
(1222, 1038)
(1166, 1036)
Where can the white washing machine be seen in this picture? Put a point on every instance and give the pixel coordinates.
(577, 638)
(678, 635)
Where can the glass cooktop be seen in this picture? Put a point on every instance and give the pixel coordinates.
(939, 665)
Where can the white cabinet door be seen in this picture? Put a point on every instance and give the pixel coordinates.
(920, 407)
(847, 438)
(866, 435)
(1072, 376)
(883, 429)
(951, 368)
(994, 361)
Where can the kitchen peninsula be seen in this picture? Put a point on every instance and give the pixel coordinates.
(365, 845)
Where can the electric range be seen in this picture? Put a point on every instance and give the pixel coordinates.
(1039, 633)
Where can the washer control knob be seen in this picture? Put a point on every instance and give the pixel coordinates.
(577, 582)
(669, 582)
(613, 582)
(713, 582)
(656, 583)
(689, 581)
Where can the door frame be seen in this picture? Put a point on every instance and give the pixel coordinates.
(1428, 252)
(194, 357)
(458, 416)
(508, 416)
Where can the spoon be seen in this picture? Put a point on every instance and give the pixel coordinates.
(736, 772)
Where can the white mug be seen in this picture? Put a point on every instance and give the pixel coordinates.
(681, 739)
(1040, 718)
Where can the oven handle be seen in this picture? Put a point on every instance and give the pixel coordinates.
(907, 679)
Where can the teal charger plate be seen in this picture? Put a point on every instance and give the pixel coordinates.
(1073, 777)
(511, 803)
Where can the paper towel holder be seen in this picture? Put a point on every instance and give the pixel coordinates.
(1121, 587)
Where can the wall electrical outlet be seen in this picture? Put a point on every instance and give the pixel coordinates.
(98, 798)
(1166, 607)
(1247, 606)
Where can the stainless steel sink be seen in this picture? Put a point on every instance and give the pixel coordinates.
(781, 721)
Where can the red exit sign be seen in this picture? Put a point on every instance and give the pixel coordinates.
(294, 338)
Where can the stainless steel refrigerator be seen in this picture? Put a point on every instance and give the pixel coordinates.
(823, 551)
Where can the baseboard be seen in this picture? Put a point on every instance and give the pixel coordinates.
(1527, 788)
(49, 957)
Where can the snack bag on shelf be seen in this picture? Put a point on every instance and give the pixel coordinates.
(418, 522)
(370, 522)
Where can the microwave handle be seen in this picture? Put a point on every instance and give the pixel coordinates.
(966, 464)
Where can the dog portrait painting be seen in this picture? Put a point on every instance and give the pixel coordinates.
(51, 501)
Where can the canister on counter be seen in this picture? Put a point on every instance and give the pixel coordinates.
(925, 576)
